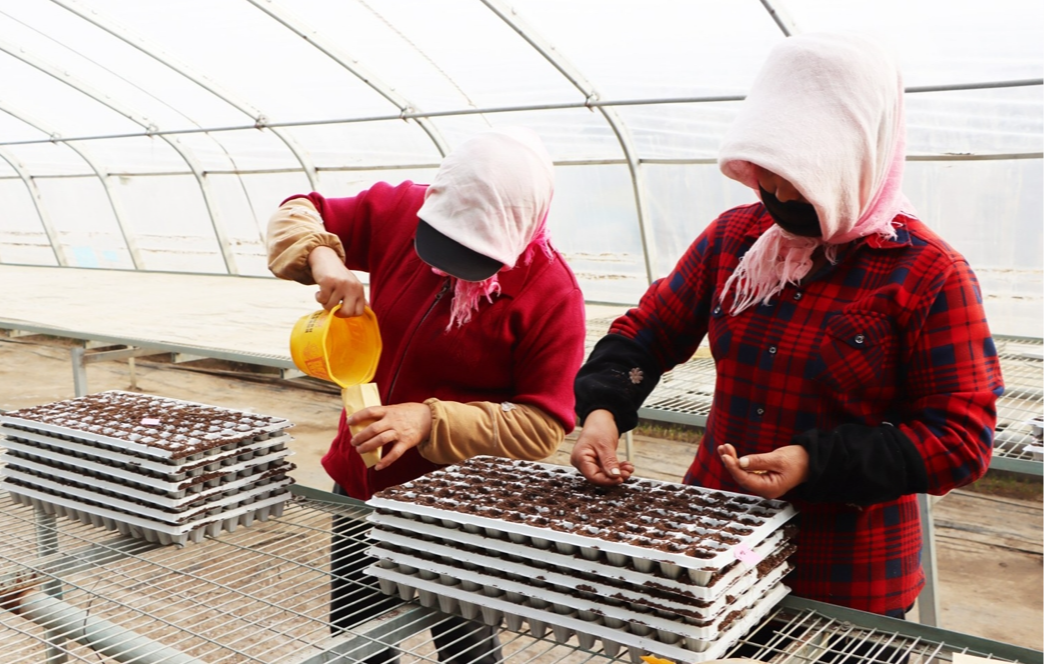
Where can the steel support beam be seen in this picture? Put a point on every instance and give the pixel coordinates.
(463, 112)
(389, 629)
(47, 545)
(125, 35)
(38, 204)
(101, 173)
(81, 359)
(156, 346)
(82, 87)
(928, 601)
(107, 638)
(781, 17)
(681, 161)
(291, 374)
(507, 14)
(181, 358)
(338, 55)
(1022, 466)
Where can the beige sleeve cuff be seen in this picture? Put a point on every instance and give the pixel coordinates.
(294, 230)
(463, 430)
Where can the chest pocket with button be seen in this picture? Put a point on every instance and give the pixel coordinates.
(859, 352)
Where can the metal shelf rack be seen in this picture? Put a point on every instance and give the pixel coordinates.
(1020, 409)
(74, 593)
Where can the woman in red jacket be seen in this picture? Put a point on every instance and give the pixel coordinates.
(482, 324)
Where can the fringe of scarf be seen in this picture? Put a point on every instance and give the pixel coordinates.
(469, 294)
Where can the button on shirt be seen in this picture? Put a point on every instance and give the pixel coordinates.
(895, 332)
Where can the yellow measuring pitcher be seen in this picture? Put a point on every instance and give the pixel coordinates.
(344, 351)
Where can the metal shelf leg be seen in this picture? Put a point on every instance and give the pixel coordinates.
(928, 602)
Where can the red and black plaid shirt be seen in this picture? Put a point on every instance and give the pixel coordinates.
(894, 332)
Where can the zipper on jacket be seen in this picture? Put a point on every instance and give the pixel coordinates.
(438, 296)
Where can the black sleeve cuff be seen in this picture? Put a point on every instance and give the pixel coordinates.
(860, 464)
(617, 377)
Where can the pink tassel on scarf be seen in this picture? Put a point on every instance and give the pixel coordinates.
(468, 294)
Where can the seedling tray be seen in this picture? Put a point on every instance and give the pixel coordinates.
(407, 533)
(142, 528)
(149, 425)
(204, 462)
(230, 499)
(31, 472)
(488, 494)
(617, 608)
(104, 471)
(454, 598)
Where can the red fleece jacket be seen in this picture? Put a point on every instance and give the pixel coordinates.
(525, 347)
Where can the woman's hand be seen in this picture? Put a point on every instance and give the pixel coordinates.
(337, 284)
(769, 475)
(405, 424)
(595, 452)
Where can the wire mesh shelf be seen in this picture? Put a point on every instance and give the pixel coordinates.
(1018, 441)
(260, 595)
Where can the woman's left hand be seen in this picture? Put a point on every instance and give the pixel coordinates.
(769, 475)
(405, 424)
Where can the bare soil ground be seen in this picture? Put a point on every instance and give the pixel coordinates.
(989, 547)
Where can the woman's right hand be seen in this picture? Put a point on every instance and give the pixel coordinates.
(337, 284)
(595, 452)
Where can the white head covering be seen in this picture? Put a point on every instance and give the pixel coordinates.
(492, 195)
(826, 114)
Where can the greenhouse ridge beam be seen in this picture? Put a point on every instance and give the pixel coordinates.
(369, 168)
(956, 87)
(620, 130)
(101, 173)
(151, 130)
(490, 110)
(136, 41)
(338, 55)
(783, 21)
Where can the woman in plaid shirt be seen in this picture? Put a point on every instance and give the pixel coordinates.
(854, 363)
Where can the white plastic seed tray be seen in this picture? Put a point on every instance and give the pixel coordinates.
(156, 433)
(196, 485)
(648, 623)
(492, 610)
(213, 461)
(616, 607)
(760, 518)
(255, 476)
(230, 499)
(185, 467)
(153, 531)
(406, 533)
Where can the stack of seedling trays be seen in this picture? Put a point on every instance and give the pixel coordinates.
(164, 470)
(673, 570)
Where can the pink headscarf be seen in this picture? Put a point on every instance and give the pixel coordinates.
(826, 114)
(492, 194)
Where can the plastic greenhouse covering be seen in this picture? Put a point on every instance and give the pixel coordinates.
(159, 136)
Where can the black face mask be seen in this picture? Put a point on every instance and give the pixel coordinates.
(793, 216)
